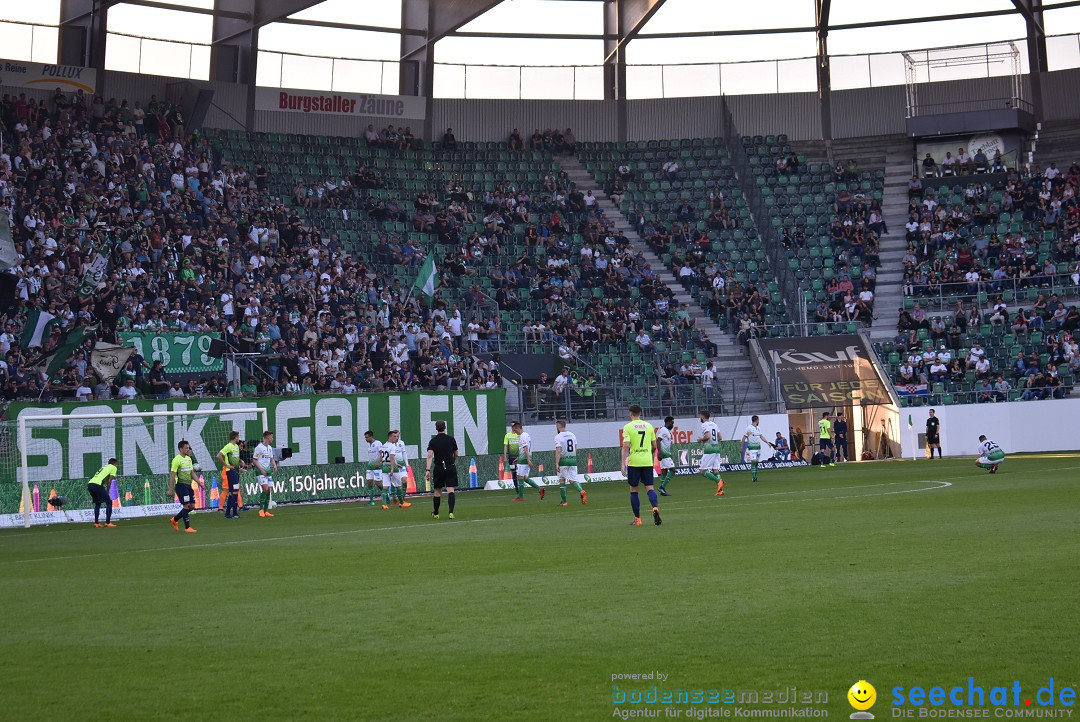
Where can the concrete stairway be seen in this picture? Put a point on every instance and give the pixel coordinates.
(738, 385)
(869, 151)
(1057, 142)
(889, 296)
(893, 153)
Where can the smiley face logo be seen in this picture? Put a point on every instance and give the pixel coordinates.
(862, 696)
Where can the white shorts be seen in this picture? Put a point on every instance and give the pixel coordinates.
(753, 455)
(986, 460)
(523, 471)
(569, 473)
(374, 474)
(667, 463)
(393, 478)
(265, 481)
(710, 462)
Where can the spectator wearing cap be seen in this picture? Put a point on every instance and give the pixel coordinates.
(929, 166)
(83, 392)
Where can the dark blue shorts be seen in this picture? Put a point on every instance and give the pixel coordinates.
(185, 493)
(639, 475)
(99, 493)
(825, 443)
(232, 480)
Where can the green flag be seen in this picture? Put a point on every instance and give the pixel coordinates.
(909, 422)
(428, 280)
(63, 353)
(39, 326)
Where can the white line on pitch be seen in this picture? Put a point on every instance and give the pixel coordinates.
(429, 525)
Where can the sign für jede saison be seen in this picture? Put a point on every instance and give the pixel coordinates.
(825, 371)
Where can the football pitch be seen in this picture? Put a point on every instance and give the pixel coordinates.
(899, 573)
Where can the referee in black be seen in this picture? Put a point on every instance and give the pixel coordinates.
(442, 450)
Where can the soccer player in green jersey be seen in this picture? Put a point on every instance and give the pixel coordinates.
(229, 458)
(98, 486)
(666, 440)
(181, 477)
(638, 450)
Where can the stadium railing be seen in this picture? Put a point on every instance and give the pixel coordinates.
(1014, 291)
(755, 199)
(609, 401)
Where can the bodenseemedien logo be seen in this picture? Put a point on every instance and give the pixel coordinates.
(862, 696)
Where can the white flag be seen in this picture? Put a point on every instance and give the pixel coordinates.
(108, 359)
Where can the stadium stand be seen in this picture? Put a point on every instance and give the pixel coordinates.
(695, 225)
(304, 250)
(829, 218)
(638, 264)
(989, 263)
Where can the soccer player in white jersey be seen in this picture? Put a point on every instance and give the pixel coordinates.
(524, 463)
(665, 441)
(395, 467)
(753, 439)
(566, 449)
(373, 475)
(992, 455)
(264, 461)
(710, 459)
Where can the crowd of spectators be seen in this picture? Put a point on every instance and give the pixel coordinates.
(955, 247)
(197, 245)
(963, 163)
(549, 141)
(854, 231)
(1036, 373)
(958, 249)
(673, 229)
(579, 255)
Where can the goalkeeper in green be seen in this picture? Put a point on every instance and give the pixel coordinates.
(665, 440)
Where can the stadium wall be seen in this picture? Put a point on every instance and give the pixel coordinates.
(855, 113)
(230, 99)
(796, 114)
(1032, 426)
(133, 86)
(1060, 99)
(492, 120)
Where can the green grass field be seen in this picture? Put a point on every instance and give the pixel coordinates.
(899, 573)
